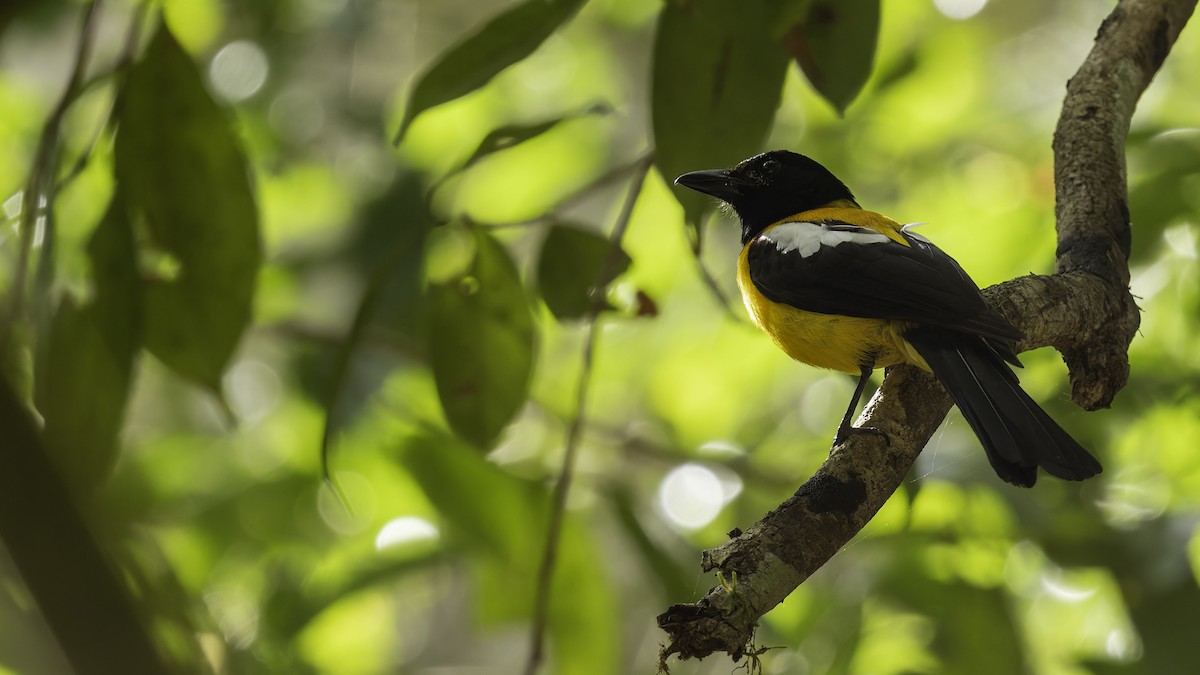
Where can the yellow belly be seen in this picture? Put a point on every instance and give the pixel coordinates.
(824, 340)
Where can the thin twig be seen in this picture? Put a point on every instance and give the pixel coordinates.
(117, 74)
(562, 484)
(41, 175)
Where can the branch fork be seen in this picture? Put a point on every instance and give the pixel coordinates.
(1084, 310)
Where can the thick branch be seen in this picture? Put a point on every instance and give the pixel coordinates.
(1085, 311)
(1092, 205)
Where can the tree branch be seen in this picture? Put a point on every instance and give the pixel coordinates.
(78, 589)
(1084, 310)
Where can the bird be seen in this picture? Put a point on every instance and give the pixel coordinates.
(838, 287)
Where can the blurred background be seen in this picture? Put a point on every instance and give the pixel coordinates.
(696, 424)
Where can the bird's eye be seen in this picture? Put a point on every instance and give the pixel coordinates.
(770, 167)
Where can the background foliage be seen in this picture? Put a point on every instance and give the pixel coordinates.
(231, 250)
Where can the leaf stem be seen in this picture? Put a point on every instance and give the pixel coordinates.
(562, 485)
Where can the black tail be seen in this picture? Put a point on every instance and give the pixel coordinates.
(1016, 433)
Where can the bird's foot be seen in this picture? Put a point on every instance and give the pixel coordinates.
(844, 434)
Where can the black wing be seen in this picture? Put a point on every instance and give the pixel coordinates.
(878, 279)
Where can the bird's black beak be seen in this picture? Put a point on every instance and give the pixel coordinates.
(720, 183)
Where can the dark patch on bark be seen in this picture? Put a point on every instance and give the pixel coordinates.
(825, 494)
(1161, 43)
(1088, 253)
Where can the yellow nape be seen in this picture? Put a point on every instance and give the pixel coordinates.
(847, 212)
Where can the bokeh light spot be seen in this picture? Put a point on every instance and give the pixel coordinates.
(959, 9)
(690, 496)
(254, 390)
(238, 70)
(405, 531)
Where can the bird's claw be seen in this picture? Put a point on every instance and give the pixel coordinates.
(844, 435)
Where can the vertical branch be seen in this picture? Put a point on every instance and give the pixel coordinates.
(562, 484)
(88, 608)
(1091, 195)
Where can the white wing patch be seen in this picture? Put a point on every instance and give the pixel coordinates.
(908, 231)
(807, 238)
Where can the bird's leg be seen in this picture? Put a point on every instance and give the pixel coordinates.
(845, 429)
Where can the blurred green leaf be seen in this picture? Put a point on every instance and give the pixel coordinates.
(583, 613)
(972, 620)
(84, 385)
(182, 169)
(509, 135)
(571, 265)
(292, 602)
(477, 58)
(496, 511)
(717, 79)
(1166, 615)
(1164, 196)
(393, 247)
(481, 343)
(835, 47)
(673, 574)
(506, 516)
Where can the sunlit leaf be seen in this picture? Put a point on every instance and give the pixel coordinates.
(183, 172)
(84, 385)
(835, 47)
(293, 602)
(477, 58)
(717, 78)
(509, 135)
(573, 270)
(481, 343)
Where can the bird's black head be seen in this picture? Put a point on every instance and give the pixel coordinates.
(769, 187)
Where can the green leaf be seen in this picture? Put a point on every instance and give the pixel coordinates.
(481, 343)
(674, 575)
(490, 509)
(583, 610)
(504, 518)
(182, 170)
(835, 47)
(1161, 196)
(717, 80)
(509, 135)
(89, 361)
(977, 620)
(477, 58)
(572, 273)
(392, 301)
